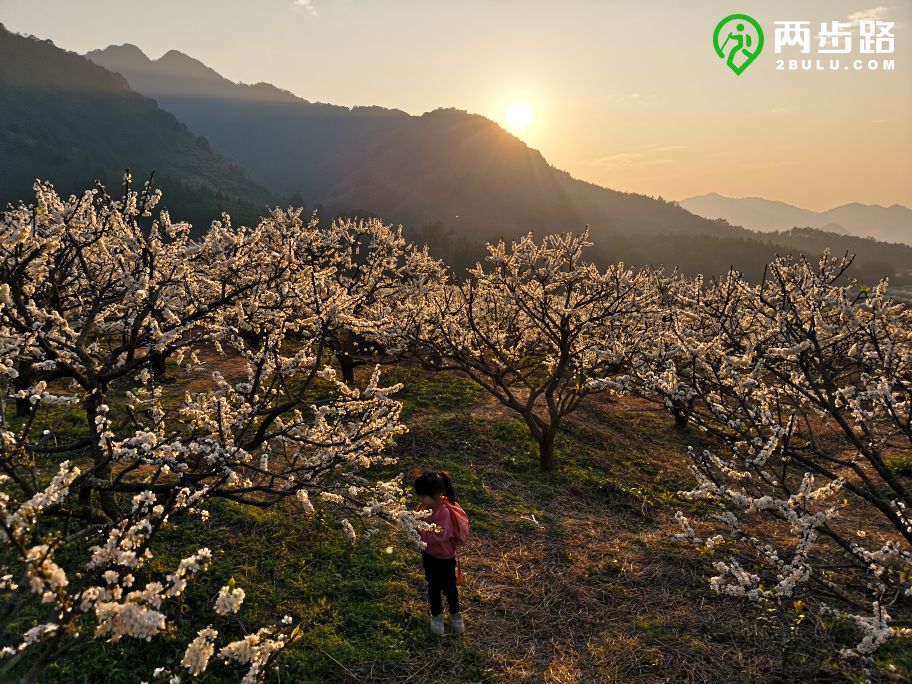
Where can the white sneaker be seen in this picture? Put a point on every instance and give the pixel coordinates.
(457, 625)
(437, 624)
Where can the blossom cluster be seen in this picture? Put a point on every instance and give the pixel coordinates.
(536, 326)
(805, 382)
(101, 299)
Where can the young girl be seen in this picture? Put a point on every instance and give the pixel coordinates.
(439, 558)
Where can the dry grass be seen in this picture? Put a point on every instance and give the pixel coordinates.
(571, 576)
(593, 588)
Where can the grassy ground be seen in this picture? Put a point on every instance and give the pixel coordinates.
(571, 576)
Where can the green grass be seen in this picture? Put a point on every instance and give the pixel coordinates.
(350, 599)
(900, 463)
(356, 603)
(896, 656)
(426, 392)
(361, 607)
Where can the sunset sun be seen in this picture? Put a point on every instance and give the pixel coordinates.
(518, 116)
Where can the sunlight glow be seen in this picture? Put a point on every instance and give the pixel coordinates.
(518, 116)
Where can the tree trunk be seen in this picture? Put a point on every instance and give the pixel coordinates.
(546, 450)
(347, 364)
(681, 413)
(102, 464)
(680, 419)
(157, 364)
(253, 339)
(23, 381)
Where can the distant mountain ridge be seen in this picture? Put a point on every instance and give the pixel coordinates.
(445, 165)
(67, 120)
(454, 179)
(888, 224)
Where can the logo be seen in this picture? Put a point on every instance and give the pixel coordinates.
(743, 41)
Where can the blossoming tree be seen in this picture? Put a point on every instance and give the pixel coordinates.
(93, 291)
(806, 381)
(534, 327)
(373, 268)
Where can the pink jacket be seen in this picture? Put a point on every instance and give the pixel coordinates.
(440, 544)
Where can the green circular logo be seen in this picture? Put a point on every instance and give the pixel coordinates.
(741, 41)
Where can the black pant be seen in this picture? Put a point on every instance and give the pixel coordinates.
(440, 574)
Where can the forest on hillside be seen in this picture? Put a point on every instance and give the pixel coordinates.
(458, 180)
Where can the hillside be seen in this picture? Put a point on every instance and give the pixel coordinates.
(445, 165)
(67, 120)
(573, 576)
(453, 178)
(889, 224)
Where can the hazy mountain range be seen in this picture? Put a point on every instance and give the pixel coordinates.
(890, 224)
(67, 120)
(454, 179)
(444, 165)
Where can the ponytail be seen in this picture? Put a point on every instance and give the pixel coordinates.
(447, 486)
(429, 483)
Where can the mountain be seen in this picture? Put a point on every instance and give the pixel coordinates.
(890, 224)
(67, 120)
(446, 165)
(454, 179)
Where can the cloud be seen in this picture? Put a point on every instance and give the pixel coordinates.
(871, 13)
(771, 164)
(619, 159)
(629, 98)
(649, 156)
(308, 5)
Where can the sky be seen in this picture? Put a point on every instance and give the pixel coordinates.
(628, 94)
